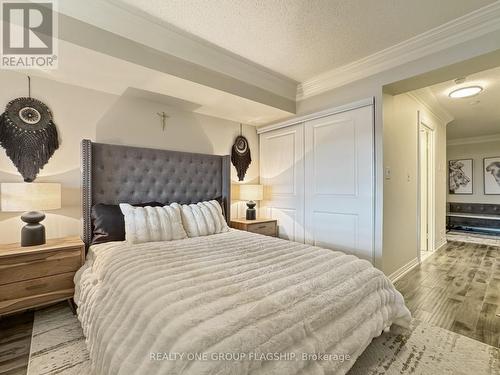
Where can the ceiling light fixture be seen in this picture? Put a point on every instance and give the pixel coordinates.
(465, 92)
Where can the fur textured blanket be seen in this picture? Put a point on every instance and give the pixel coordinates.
(230, 303)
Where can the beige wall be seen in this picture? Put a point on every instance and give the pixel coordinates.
(82, 113)
(401, 113)
(475, 151)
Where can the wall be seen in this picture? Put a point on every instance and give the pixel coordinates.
(475, 151)
(82, 113)
(401, 114)
(374, 86)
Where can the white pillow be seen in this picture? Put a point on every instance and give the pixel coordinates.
(203, 218)
(148, 224)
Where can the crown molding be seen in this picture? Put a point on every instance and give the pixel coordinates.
(315, 115)
(426, 98)
(472, 140)
(472, 25)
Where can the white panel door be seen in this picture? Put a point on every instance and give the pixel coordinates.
(282, 174)
(339, 188)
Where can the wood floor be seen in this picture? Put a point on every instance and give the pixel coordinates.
(15, 341)
(458, 288)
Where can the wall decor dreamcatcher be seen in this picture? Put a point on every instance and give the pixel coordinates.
(28, 134)
(240, 155)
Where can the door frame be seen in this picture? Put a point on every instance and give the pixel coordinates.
(422, 122)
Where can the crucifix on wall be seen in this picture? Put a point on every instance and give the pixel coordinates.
(163, 119)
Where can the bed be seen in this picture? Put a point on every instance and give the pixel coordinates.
(228, 303)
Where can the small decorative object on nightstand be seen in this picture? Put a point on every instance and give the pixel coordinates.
(38, 275)
(251, 193)
(267, 227)
(28, 197)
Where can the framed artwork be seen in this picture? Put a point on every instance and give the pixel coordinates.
(460, 173)
(491, 174)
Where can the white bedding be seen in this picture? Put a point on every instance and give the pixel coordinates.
(237, 294)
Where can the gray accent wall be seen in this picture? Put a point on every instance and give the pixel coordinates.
(475, 151)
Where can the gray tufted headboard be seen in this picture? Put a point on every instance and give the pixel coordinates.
(113, 174)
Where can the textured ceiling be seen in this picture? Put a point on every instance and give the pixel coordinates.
(476, 116)
(302, 38)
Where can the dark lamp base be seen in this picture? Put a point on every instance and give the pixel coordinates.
(33, 233)
(251, 211)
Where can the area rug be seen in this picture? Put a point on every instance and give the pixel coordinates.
(58, 347)
(427, 350)
(57, 343)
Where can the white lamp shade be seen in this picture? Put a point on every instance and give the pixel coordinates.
(20, 197)
(251, 192)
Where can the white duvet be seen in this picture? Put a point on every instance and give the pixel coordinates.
(230, 303)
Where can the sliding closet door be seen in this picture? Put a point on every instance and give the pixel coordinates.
(282, 174)
(339, 179)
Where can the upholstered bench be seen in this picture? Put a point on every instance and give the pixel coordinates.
(474, 216)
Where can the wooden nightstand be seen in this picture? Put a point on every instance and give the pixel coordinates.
(267, 227)
(38, 275)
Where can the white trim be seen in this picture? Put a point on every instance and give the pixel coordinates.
(423, 122)
(426, 98)
(419, 226)
(472, 25)
(399, 273)
(313, 116)
(472, 140)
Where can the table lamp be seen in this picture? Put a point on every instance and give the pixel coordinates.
(30, 198)
(251, 193)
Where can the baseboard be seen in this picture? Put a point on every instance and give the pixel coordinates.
(396, 275)
(441, 244)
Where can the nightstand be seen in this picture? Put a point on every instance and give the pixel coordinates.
(267, 227)
(38, 275)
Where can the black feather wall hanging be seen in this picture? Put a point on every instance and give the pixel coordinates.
(240, 155)
(28, 134)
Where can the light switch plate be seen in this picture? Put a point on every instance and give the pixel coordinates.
(387, 173)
